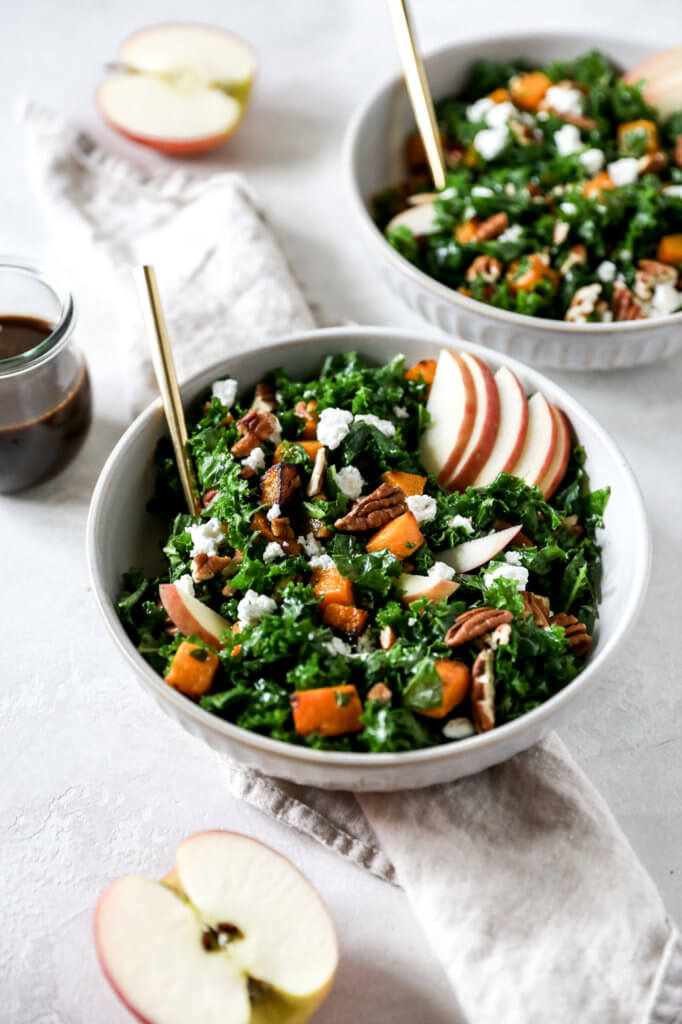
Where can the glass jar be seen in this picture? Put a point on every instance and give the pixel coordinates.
(45, 400)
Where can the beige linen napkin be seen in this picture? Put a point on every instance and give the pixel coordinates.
(526, 889)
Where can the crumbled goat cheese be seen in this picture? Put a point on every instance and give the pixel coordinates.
(666, 299)
(510, 188)
(441, 571)
(256, 460)
(274, 512)
(499, 114)
(458, 729)
(673, 190)
(276, 435)
(513, 558)
(278, 396)
(469, 212)
(624, 254)
(482, 191)
(322, 562)
(542, 115)
(411, 621)
(400, 412)
(185, 585)
(624, 171)
(463, 521)
(568, 208)
(518, 573)
(606, 271)
(564, 100)
(423, 507)
(338, 646)
(252, 606)
(567, 140)
(592, 160)
(490, 142)
(333, 426)
(311, 545)
(206, 537)
(511, 234)
(350, 481)
(478, 110)
(225, 391)
(365, 643)
(272, 551)
(385, 426)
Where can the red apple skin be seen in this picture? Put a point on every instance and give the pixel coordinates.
(187, 148)
(523, 430)
(551, 442)
(180, 616)
(437, 591)
(512, 429)
(467, 471)
(105, 970)
(556, 471)
(467, 422)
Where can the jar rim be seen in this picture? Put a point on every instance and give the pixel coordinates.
(60, 331)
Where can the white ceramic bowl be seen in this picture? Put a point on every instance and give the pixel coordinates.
(373, 159)
(121, 534)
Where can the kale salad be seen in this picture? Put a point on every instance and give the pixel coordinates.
(318, 596)
(563, 197)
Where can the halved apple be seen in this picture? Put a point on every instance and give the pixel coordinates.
(658, 65)
(413, 587)
(485, 427)
(511, 433)
(235, 933)
(472, 553)
(191, 616)
(421, 220)
(541, 441)
(562, 452)
(183, 88)
(452, 406)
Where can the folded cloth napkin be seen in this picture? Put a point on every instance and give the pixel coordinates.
(526, 889)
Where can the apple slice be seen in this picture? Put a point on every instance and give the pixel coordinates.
(659, 65)
(562, 452)
(414, 587)
(511, 433)
(485, 428)
(184, 88)
(191, 616)
(665, 93)
(452, 406)
(420, 219)
(472, 553)
(235, 934)
(541, 441)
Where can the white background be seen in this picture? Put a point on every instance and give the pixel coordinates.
(95, 781)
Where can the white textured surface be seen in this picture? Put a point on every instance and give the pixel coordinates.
(95, 780)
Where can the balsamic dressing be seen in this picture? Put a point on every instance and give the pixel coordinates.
(35, 450)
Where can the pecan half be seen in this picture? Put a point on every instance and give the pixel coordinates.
(254, 427)
(522, 132)
(492, 227)
(483, 691)
(264, 398)
(583, 303)
(678, 151)
(571, 523)
(536, 607)
(649, 274)
(579, 120)
(652, 163)
(575, 631)
(486, 267)
(624, 305)
(209, 496)
(205, 567)
(377, 509)
(474, 623)
(287, 538)
(380, 692)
